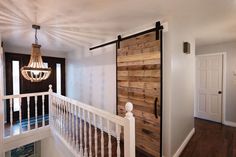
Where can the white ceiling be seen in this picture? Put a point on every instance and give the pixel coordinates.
(68, 24)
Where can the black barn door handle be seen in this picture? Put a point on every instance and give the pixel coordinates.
(155, 107)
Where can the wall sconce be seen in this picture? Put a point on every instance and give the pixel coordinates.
(186, 47)
(234, 73)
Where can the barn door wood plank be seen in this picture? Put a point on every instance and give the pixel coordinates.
(139, 81)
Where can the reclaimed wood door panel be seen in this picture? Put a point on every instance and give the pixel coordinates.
(139, 81)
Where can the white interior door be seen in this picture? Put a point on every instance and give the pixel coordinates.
(209, 87)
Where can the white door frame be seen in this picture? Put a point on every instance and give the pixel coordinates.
(223, 84)
(2, 154)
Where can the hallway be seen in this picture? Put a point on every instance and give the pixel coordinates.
(211, 140)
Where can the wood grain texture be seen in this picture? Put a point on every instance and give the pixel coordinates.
(139, 57)
(139, 81)
(142, 62)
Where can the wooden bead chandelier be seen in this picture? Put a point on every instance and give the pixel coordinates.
(36, 71)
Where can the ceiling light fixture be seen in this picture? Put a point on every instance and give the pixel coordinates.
(35, 71)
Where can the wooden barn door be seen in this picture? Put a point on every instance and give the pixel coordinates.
(139, 82)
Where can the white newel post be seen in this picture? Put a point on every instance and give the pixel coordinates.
(1, 103)
(50, 104)
(129, 131)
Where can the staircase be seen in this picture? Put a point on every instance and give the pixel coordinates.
(85, 130)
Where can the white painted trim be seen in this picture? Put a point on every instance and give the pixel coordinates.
(1, 102)
(195, 87)
(128, 122)
(212, 54)
(99, 112)
(184, 144)
(24, 95)
(26, 138)
(224, 87)
(229, 123)
(223, 114)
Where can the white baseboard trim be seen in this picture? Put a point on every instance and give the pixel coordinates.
(185, 142)
(229, 123)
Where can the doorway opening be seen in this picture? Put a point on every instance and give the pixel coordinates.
(210, 87)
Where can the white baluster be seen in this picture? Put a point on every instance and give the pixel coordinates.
(80, 132)
(76, 128)
(43, 109)
(118, 140)
(11, 117)
(85, 136)
(68, 121)
(51, 114)
(102, 137)
(36, 111)
(59, 114)
(95, 135)
(50, 106)
(129, 129)
(64, 117)
(73, 124)
(90, 135)
(28, 112)
(53, 111)
(109, 138)
(20, 116)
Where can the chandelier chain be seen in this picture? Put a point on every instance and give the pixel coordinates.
(36, 36)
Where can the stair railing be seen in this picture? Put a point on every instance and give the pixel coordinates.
(87, 131)
(90, 131)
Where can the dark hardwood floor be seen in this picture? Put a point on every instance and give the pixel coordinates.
(211, 140)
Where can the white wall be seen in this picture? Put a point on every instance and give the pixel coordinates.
(166, 130)
(230, 49)
(91, 77)
(178, 91)
(53, 147)
(1, 103)
(183, 66)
